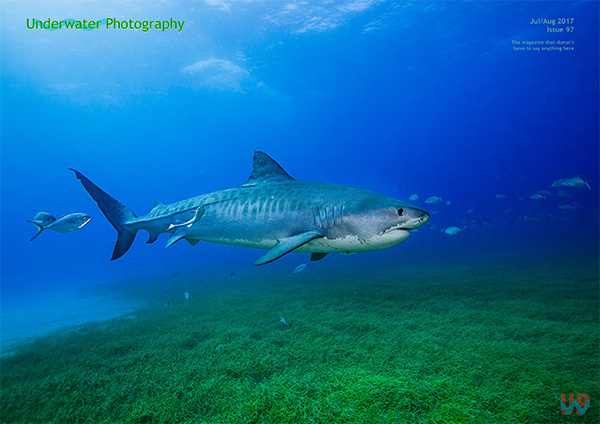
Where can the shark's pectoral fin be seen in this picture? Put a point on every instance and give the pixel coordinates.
(317, 256)
(286, 245)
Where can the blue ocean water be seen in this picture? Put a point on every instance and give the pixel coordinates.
(426, 98)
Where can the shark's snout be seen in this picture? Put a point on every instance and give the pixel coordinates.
(424, 219)
(415, 218)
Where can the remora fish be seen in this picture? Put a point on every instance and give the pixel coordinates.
(271, 211)
(44, 221)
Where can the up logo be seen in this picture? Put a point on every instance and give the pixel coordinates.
(582, 404)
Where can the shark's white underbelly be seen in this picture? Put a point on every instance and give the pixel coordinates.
(348, 244)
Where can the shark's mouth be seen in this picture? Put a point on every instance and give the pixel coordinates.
(390, 230)
(413, 224)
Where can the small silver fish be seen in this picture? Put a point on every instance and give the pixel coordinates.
(454, 230)
(44, 221)
(187, 296)
(299, 268)
(501, 196)
(283, 321)
(413, 197)
(543, 192)
(573, 182)
(566, 207)
(433, 199)
(537, 197)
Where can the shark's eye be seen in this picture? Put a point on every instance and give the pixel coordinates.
(400, 212)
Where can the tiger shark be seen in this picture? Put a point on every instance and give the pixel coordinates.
(272, 211)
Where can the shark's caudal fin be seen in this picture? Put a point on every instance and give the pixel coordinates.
(116, 213)
(38, 227)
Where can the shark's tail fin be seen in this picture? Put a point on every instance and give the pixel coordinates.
(116, 213)
(39, 229)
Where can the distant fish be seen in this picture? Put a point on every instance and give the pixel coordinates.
(44, 221)
(537, 197)
(433, 199)
(448, 202)
(508, 211)
(573, 182)
(563, 194)
(566, 207)
(530, 218)
(187, 296)
(299, 268)
(176, 274)
(452, 231)
(522, 198)
(501, 196)
(232, 274)
(413, 197)
(471, 211)
(283, 321)
(168, 304)
(543, 192)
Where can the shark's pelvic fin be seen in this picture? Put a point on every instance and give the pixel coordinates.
(317, 256)
(286, 245)
(176, 236)
(116, 213)
(265, 169)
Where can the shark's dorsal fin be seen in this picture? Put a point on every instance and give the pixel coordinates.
(157, 203)
(265, 169)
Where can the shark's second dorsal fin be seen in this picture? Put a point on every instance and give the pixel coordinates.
(157, 203)
(265, 169)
